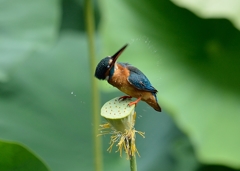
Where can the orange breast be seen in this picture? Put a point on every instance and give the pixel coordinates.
(119, 80)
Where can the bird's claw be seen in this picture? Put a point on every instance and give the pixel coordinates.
(124, 98)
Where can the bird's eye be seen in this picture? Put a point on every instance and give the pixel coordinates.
(108, 66)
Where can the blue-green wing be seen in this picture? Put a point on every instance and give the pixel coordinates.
(139, 80)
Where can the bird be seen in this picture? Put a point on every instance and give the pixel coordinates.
(128, 79)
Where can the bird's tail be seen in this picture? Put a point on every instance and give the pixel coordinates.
(153, 102)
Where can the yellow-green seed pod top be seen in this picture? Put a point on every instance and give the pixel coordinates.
(119, 114)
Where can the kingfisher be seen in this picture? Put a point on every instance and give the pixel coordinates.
(127, 79)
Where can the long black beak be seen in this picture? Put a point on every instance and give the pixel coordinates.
(116, 55)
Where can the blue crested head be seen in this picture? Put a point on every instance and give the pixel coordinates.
(102, 68)
(105, 68)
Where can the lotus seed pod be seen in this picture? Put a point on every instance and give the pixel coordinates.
(119, 114)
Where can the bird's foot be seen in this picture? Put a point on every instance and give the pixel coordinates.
(124, 97)
(134, 102)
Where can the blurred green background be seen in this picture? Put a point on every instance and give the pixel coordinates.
(45, 96)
